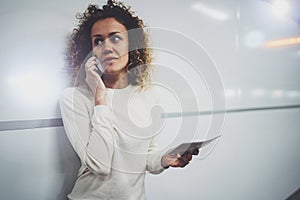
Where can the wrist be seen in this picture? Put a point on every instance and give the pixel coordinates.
(100, 98)
(100, 101)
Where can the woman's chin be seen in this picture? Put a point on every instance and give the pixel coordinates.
(114, 71)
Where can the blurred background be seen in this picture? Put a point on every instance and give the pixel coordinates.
(236, 62)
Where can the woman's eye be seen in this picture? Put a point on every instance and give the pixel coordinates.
(98, 41)
(115, 38)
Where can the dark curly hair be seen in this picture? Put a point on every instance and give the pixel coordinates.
(80, 45)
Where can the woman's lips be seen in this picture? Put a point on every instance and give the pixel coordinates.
(108, 59)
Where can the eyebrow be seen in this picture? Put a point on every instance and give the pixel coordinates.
(110, 34)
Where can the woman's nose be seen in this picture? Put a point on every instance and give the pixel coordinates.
(107, 47)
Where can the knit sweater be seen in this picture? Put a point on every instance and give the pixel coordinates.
(116, 143)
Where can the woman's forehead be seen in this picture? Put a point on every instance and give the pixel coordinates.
(107, 26)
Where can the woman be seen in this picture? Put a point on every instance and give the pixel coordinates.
(107, 115)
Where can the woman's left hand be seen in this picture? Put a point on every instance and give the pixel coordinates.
(178, 160)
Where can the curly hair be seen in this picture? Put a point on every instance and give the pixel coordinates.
(80, 45)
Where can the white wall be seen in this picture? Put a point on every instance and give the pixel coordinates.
(200, 47)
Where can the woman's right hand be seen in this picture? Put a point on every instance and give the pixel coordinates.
(94, 81)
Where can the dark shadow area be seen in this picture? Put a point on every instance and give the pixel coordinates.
(295, 195)
(69, 164)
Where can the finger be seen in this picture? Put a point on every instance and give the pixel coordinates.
(188, 155)
(93, 72)
(184, 158)
(182, 162)
(92, 58)
(91, 66)
(93, 75)
(195, 151)
(173, 160)
(91, 61)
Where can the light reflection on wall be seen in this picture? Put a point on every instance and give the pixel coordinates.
(210, 12)
(283, 42)
(254, 39)
(34, 86)
(260, 93)
(293, 94)
(233, 93)
(277, 93)
(280, 7)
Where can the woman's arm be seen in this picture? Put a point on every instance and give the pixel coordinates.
(155, 154)
(92, 138)
(158, 160)
(154, 158)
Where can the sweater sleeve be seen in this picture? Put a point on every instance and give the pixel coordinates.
(154, 164)
(155, 154)
(92, 138)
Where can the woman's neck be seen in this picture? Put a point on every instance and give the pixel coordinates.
(115, 80)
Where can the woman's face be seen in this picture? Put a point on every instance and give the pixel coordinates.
(110, 44)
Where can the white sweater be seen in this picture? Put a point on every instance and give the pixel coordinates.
(115, 142)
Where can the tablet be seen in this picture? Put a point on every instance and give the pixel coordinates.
(190, 146)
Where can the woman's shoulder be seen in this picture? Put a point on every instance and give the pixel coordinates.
(70, 92)
(74, 93)
(154, 89)
(152, 92)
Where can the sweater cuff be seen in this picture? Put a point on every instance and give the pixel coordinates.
(101, 108)
(157, 167)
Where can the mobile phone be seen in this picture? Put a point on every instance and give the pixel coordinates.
(100, 68)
